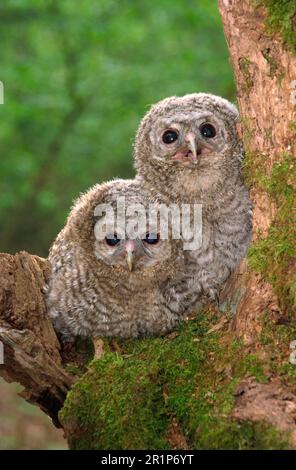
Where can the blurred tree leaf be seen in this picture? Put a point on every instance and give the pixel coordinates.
(78, 77)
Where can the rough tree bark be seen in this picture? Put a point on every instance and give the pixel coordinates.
(261, 38)
(264, 69)
(199, 387)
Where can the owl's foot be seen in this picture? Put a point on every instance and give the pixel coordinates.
(99, 347)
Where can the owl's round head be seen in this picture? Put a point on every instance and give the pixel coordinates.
(193, 137)
(111, 225)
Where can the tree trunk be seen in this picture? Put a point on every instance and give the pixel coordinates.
(224, 379)
(265, 71)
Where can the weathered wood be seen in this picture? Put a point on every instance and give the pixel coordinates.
(32, 354)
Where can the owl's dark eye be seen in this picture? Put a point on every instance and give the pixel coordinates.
(170, 136)
(152, 238)
(112, 240)
(208, 130)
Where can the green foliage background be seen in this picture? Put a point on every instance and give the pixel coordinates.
(78, 76)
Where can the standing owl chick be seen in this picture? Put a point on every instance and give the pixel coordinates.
(114, 285)
(187, 150)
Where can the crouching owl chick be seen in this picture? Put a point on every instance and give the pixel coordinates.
(113, 285)
(187, 150)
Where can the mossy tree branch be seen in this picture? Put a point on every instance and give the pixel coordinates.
(223, 380)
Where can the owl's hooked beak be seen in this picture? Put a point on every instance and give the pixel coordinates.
(188, 153)
(191, 142)
(130, 248)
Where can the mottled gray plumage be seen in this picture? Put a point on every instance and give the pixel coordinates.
(91, 290)
(199, 169)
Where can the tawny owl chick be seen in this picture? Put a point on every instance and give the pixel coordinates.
(188, 150)
(116, 285)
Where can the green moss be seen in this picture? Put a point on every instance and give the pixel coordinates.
(254, 164)
(78, 356)
(281, 19)
(248, 133)
(274, 256)
(110, 407)
(276, 339)
(292, 126)
(73, 369)
(244, 65)
(128, 401)
(248, 436)
(254, 173)
(275, 69)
